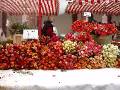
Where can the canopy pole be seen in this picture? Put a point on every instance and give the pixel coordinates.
(40, 19)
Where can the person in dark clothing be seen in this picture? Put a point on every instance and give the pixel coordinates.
(48, 29)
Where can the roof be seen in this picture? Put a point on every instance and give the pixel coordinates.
(95, 6)
(20, 7)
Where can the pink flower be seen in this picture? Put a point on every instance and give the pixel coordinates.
(69, 36)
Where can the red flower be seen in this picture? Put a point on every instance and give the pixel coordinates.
(105, 29)
(69, 36)
(82, 26)
(54, 38)
(83, 36)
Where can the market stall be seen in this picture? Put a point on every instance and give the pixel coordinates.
(20, 7)
(38, 7)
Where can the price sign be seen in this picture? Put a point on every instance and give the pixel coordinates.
(69, 1)
(30, 34)
(87, 14)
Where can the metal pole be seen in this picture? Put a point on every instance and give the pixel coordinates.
(39, 19)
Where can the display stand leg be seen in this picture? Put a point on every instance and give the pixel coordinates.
(86, 18)
(40, 19)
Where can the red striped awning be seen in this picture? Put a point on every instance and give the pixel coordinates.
(94, 1)
(20, 7)
(112, 7)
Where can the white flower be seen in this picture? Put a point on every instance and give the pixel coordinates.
(110, 53)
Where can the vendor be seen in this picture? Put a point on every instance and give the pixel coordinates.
(49, 29)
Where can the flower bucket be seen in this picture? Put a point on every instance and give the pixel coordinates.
(103, 39)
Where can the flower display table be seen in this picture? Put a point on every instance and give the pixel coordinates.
(84, 79)
(74, 53)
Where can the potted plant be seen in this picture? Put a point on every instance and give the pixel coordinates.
(16, 31)
(18, 28)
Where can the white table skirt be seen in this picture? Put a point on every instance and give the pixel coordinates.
(83, 87)
(84, 79)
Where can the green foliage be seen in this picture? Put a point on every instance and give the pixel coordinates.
(5, 42)
(17, 28)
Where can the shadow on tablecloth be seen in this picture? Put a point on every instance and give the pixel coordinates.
(84, 87)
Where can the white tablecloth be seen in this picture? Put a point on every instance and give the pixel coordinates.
(84, 79)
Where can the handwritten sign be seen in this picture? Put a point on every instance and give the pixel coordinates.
(30, 34)
(69, 1)
(87, 14)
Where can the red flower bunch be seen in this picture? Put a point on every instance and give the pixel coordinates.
(93, 48)
(69, 36)
(67, 62)
(50, 54)
(105, 29)
(100, 29)
(22, 56)
(44, 39)
(54, 38)
(56, 47)
(48, 60)
(82, 26)
(83, 36)
(89, 49)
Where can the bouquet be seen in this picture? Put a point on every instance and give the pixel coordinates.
(105, 29)
(110, 53)
(82, 26)
(69, 46)
(89, 49)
